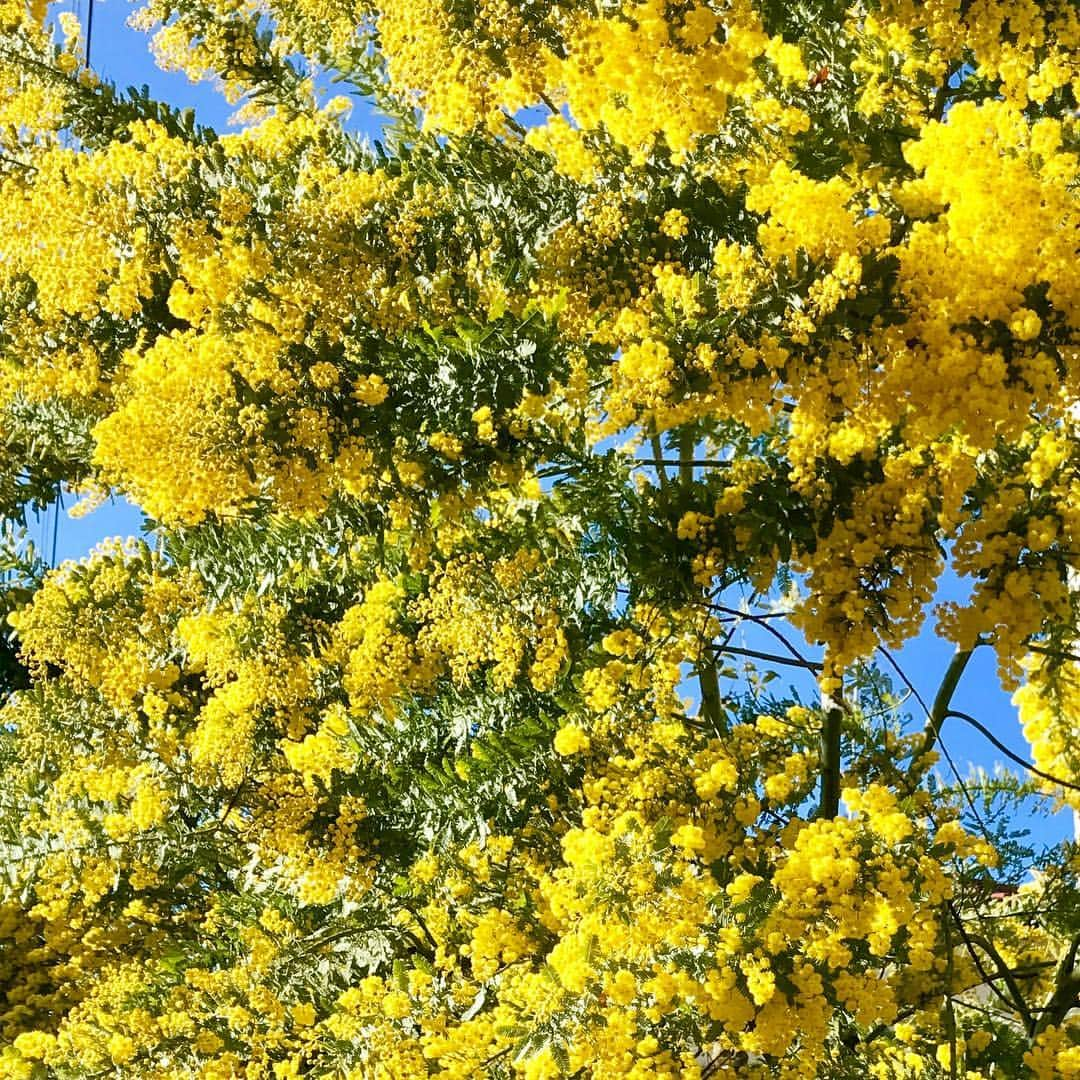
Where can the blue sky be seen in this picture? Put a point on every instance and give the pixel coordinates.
(122, 55)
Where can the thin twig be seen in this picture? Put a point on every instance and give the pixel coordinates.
(695, 463)
(761, 620)
(1011, 755)
(772, 658)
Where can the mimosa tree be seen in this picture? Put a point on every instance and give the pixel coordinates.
(491, 474)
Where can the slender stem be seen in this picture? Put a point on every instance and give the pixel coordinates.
(514, 124)
(830, 756)
(941, 98)
(1057, 654)
(945, 750)
(709, 684)
(708, 679)
(17, 164)
(762, 621)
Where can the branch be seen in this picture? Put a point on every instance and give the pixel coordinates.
(735, 615)
(1066, 993)
(941, 98)
(550, 104)
(950, 1011)
(18, 164)
(1003, 970)
(905, 680)
(878, 1030)
(939, 710)
(514, 124)
(709, 684)
(1056, 654)
(89, 30)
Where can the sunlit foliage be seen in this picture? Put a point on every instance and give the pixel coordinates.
(420, 737)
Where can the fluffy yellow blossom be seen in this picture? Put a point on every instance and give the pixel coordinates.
(571, 740)
(497, 477)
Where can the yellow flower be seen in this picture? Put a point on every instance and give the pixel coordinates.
(396, 1005)
(571, 739)
(303, 1014)
(689, 837)
(1025, 325)
(675, 224)
(741, 887)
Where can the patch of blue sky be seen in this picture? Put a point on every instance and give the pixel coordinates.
(122, 55)
(963, 750)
